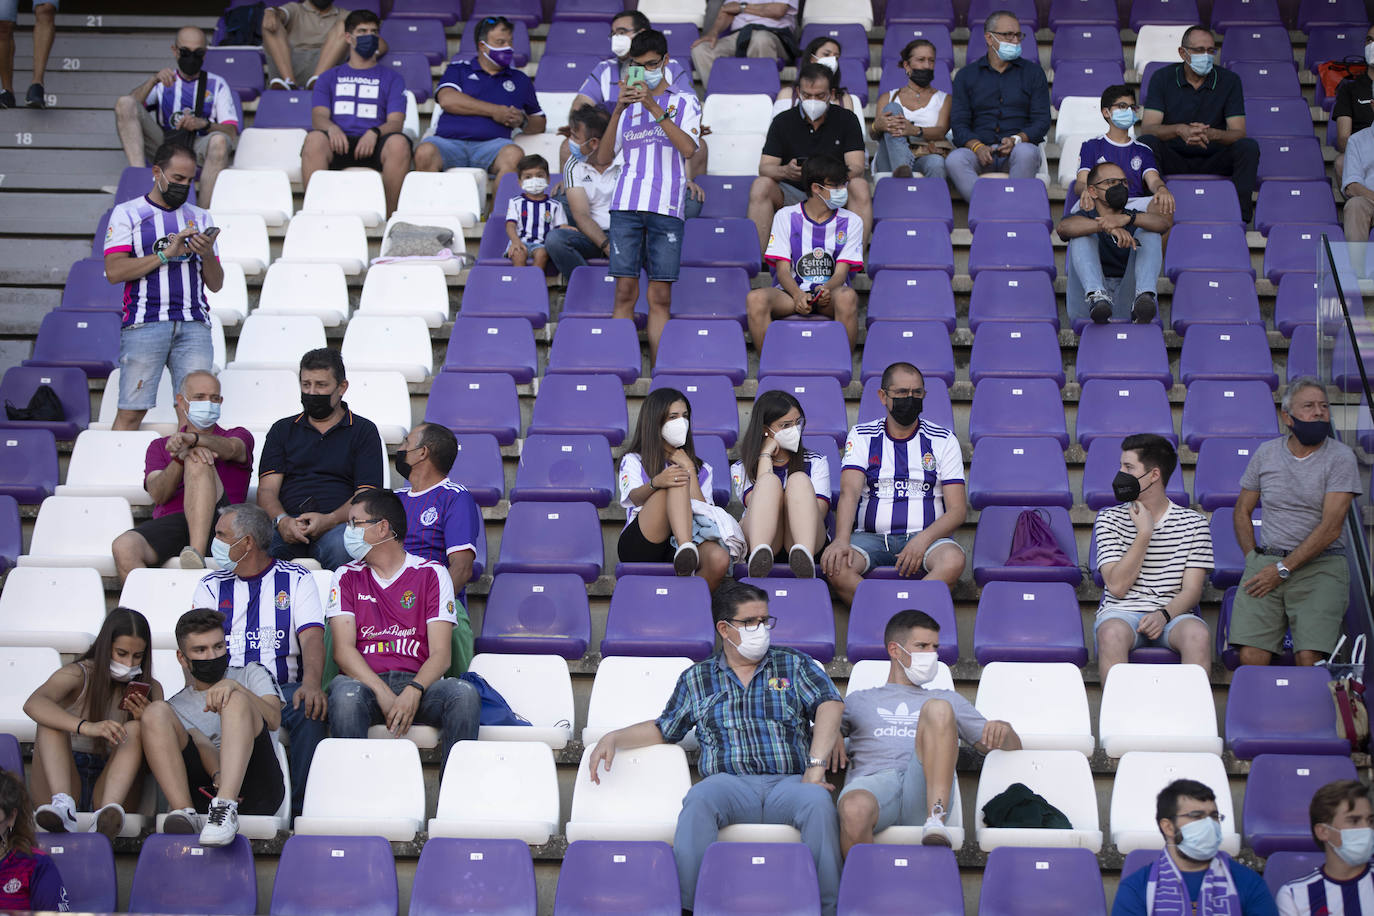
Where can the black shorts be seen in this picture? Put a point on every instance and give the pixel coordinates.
(634, 547)
(168, 534)
(350, 161)
(263, 787)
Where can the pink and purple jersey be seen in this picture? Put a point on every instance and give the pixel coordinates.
(814, 249)
(654, 176)
(169, 104)
(441, 520)
(173, 292)
(392, 616)
(359, 100)
(234, 477)
(31, 882)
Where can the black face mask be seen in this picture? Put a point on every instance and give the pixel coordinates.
(906, 411)
(403, 467)
(1311, 432)
(1116, 196)
(921, 77)
(1126, 488)
(190, 62)
(321, 6)
(174, 195)
(209, 670)
(317, 406)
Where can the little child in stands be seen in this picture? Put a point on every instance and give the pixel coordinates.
(530, 216)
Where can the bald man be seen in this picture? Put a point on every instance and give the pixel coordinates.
(184, 102)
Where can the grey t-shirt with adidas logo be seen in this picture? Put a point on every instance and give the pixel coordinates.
(881, 725)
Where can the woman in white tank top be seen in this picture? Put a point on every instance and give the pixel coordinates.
(912, 124)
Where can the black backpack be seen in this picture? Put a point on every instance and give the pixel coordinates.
(44, 406)
(241, 25)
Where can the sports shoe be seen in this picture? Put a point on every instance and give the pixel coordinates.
(59, 815)
(222, 823)
(934, 833)
(803, 565)
(1099, 307)
(761, 561)
(191, 558)
(6, 99)
(902, 171)
(279, 83)
(686, 560)
(35, 98)
(109, 820)
(185, 820)
(1145, 307)
(310, 83)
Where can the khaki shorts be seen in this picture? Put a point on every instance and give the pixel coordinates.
(153, 135)
(1312, 602)
(303, 64)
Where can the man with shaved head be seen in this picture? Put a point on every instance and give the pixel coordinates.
(184, 103)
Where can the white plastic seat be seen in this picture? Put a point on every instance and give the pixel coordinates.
(77, 531)
(498, 790)
(389, 343)
(304, 288)
(219, 348)
(1139, 777)
(258, 826)
(60, 608)
(1158, 708)
(334, 238)
(838, 11)
(410, 288)
(168, 671)
(1063, 778)
(1157, 42)
(480, 176)
(359, 787)
(693, 11)
(357, 192)
(440, 192)
(411, 125)
(739, 156)
(557, 106)
(266, 192)
(537, 687)
(270, 148)
(545, 145)
(910, 834)
(107, 463)
(450, 221)
(276, 342)
(1044, 701)
(637, 799)
(1079, 115)
(230, 304)
(23, 669)
(243, 241)
(162, 418)
(1069, 149)
(872, 672)
(161, 595)
(737, 114)
(384, 399)
(257, 398)
(629, 689)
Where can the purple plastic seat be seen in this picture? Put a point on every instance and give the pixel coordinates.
(1123, 351)
(752, 879)
(1204, 201)
(618, 877)
(560, 72)
(1256, 42)
(520, 41)
(898, 35)
(1278, 118)
(1027, 881)
(536, 613)
(478, 468)
(1329, 13)
(1290, 159)
(923, 343)
(425, 36)
(1029, 622)
(913, 198)
(851, 35)
(88, 341)
(711, 450)
(591, 294)
(711, 292)
(28, 464)
(886, 879)
(548, 537)
(413, 66)
(1297, 248)
(1228, 563)
(506, 292)
(473, 877)
(907, 294)
(721, 242)
(1123, 407)
(241, 68)
(1083, 12)
(1079, 77)
(992, 546)
(468, 402)
(1025, 10)
(1009, 200)
(1277, 793)
(87, 290)
(1102, 463)
(564, 468)
(1230, 409)
(744, 76)
(1163, 12)
(223, 876)
(11, 535)
(595, 346)
(910, 244)
(1302, 354)
(1018, 407)
(1007, 295)
(283, 109)
(1227, 352)
(504, 345)
(819, 348)
(822, 401)
(1283, 866)
(1207, 246)
(877, 599)
(598, 12)
(680, 36)
(714, 411)
(1282, 710)
(1220, 463)
(727, 196)
(937, 407)
(72, 388)
(572, 35)
(1099, 41)
(333, 874)
(1015, 349)
(134, 182)
(924, 12)
(12, 760)
(1010, 245)
(660, 616)
(806, 619)
(1295, 305)
(1240, 15)
(86, 863)
(691, 346)
(1327, 42)
(581, 404)
(1294, 202)
(1021, 471)
(446, 11)
(1203, 297)
(527, 12)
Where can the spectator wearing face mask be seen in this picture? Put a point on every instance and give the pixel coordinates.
(1354, 109)
(911, 127)
(589, 187)
(302, 40)
(1357, 181)
(532, 214)
(1343, 826)
(825, 51)
(1136, 159)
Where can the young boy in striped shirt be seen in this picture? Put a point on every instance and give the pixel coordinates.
(531, 215)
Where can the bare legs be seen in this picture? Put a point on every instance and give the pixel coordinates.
(668, 513)
(55, 772)
(781, 517)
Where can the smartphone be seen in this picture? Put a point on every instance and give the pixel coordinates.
(137, 687)
(634, 75)
(211, 233)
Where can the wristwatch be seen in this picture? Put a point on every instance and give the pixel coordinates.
(1284, 571)
(814, 762)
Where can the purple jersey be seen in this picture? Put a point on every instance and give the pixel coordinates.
(169, 104)
(1134, 157)
(602, 85)
(654, 176)
(440, 521)
(173, 292)
(31, 882)
(814, 249)
(509, 87)
(360, 99)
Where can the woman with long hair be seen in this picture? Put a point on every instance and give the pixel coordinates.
(29, 879)
(658, 506)
(87, 750)
(784, 487)
(912, 121)
(825, 51)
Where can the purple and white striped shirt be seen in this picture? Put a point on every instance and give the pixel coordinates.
(602, 85)
(814, 249)
(654, 176)
(169, 103)
(904, 487)
(175, 291)
(264, 614)
(534, 218)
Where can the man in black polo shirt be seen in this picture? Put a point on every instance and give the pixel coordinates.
(813, 127)
(1195, 119)
(1000, 111)
(1353, 112)
(314, 463)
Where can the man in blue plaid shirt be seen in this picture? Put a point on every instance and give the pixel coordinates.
(762, 762)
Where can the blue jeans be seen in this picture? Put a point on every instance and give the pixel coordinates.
(882, 549)
(477, 154)
(641, 240)
(144, 349)
(723, 799)
(305, 734)
(450, 705)
(1085, 274)
(569, 249)
(328, 550)
(894, 152)
(963, 169)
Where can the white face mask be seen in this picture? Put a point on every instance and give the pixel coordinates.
(675, 432)
(789, 439)
(1369, 54)
(1356, 842)
(814, 109)
(124, 673)
(534, 185)
(753, 645)
(923, 667)
(830, 63)
(620, 45)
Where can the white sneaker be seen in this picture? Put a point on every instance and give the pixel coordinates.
(934, 833)
(686, 560)
(58, 816)
(184, 820)
(109, 820)
(222, 823)
(761, 562)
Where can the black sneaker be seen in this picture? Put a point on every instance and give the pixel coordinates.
(761, 562)
(1145, 308)
(35, 97)
(1099, 307)
(6, 99)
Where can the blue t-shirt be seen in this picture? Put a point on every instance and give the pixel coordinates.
(509, 87)
(1255, 899)
(360, 99)
(1134, 157)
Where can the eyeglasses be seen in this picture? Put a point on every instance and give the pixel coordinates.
(905, 392)
(788, 424)
(753, 623)
(1126, 106)
(1211, 50)
(357, 523)
(1108, 183)
(1199, 815)
(649, 65)
(1008, 36)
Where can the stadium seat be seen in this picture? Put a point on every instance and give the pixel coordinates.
(332, 238)
(1120, 408)
(1204, 297)
(1207, 246)
(1327, 42)
(276, 341)
(62, 607)
(923, 343)
(105, 463)
(636, 800)
(321, 874)
(1216, 477)
(498, 790)
(806, 620)
(910, 244)
(743, 76)
(1294, 202)
(1061, 777)
(992, 546)
(1028, 622)
(168, 864)
(497, 345)
(1297, 248)
(910, 295)
(28, 464)
(587, 346)
(746, 878)
(394, 805)
(266, 192)
(727, 196)
(1008, 295)
(1228, 563)
(283, 110)
(629, 689)
(1312, 13)
(720, 242)
(86, 863)
(739, 153)
(659, 616)
(425, 36)
(711, 292)
(1158, 708)
(882, 878)
(440, 193)
(590, 293)
(1278, 118)
(25, 669)
(413, 69)
(1281, 710)
(257, 398)
(303, 288)
(737, 113)
(1123, 352)
(77, 531)
(1290, 159)
(243, 241)
(230, 304)
(88, 341)
(876, 600)
(1002, 200)
(1205, 201)
(473, 876)
(1244, 16)
(1041, 882)
(692, 346)
(806, 348)
(1159, 27)
(1079, 116)
(913, 198)
(899, 34)
(924, 12)
(389, 343)
(1095, 38)
(87, 290)
(470, 402)
(1277, 793)
(540, 613)
(621, 877)
(1226, 353)
(1046, 702)
(1281, 867)
(161, 595)
(1018, 407)
(1103, 461)
(537, 687)
(712, 398)
(551, 537)
(1233, 409)
(1011, 246)
(1139, 777)
(507, 292)
(1018, 471)
(406, 290)
(580, 404)
(478, 468)
(565, 468)
(1013, 349)
(11, 539)
(1267, 79)
(263, 149)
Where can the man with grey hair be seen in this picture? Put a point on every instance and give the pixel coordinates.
(1298, 578)
(272, 615)
(188, 474)
(1001, 109)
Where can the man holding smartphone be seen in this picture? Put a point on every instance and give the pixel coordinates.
(162, 249)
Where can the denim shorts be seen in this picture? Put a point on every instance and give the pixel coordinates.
(88, 769)
(9, 10)
(648, 241)
(882, 549)
(476, 154)
(1132, 619)
(901, 794)
(144, 349)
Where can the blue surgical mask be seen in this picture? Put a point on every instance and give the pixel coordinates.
(1201, 64)
(836, 197)
(1357, 843)
(202, 414)
(354, 542)
(575, 151)
(219, 552)
(653, 78)
(1199, 840)
(1008, 50)
(366, 46)
(1123, 118)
